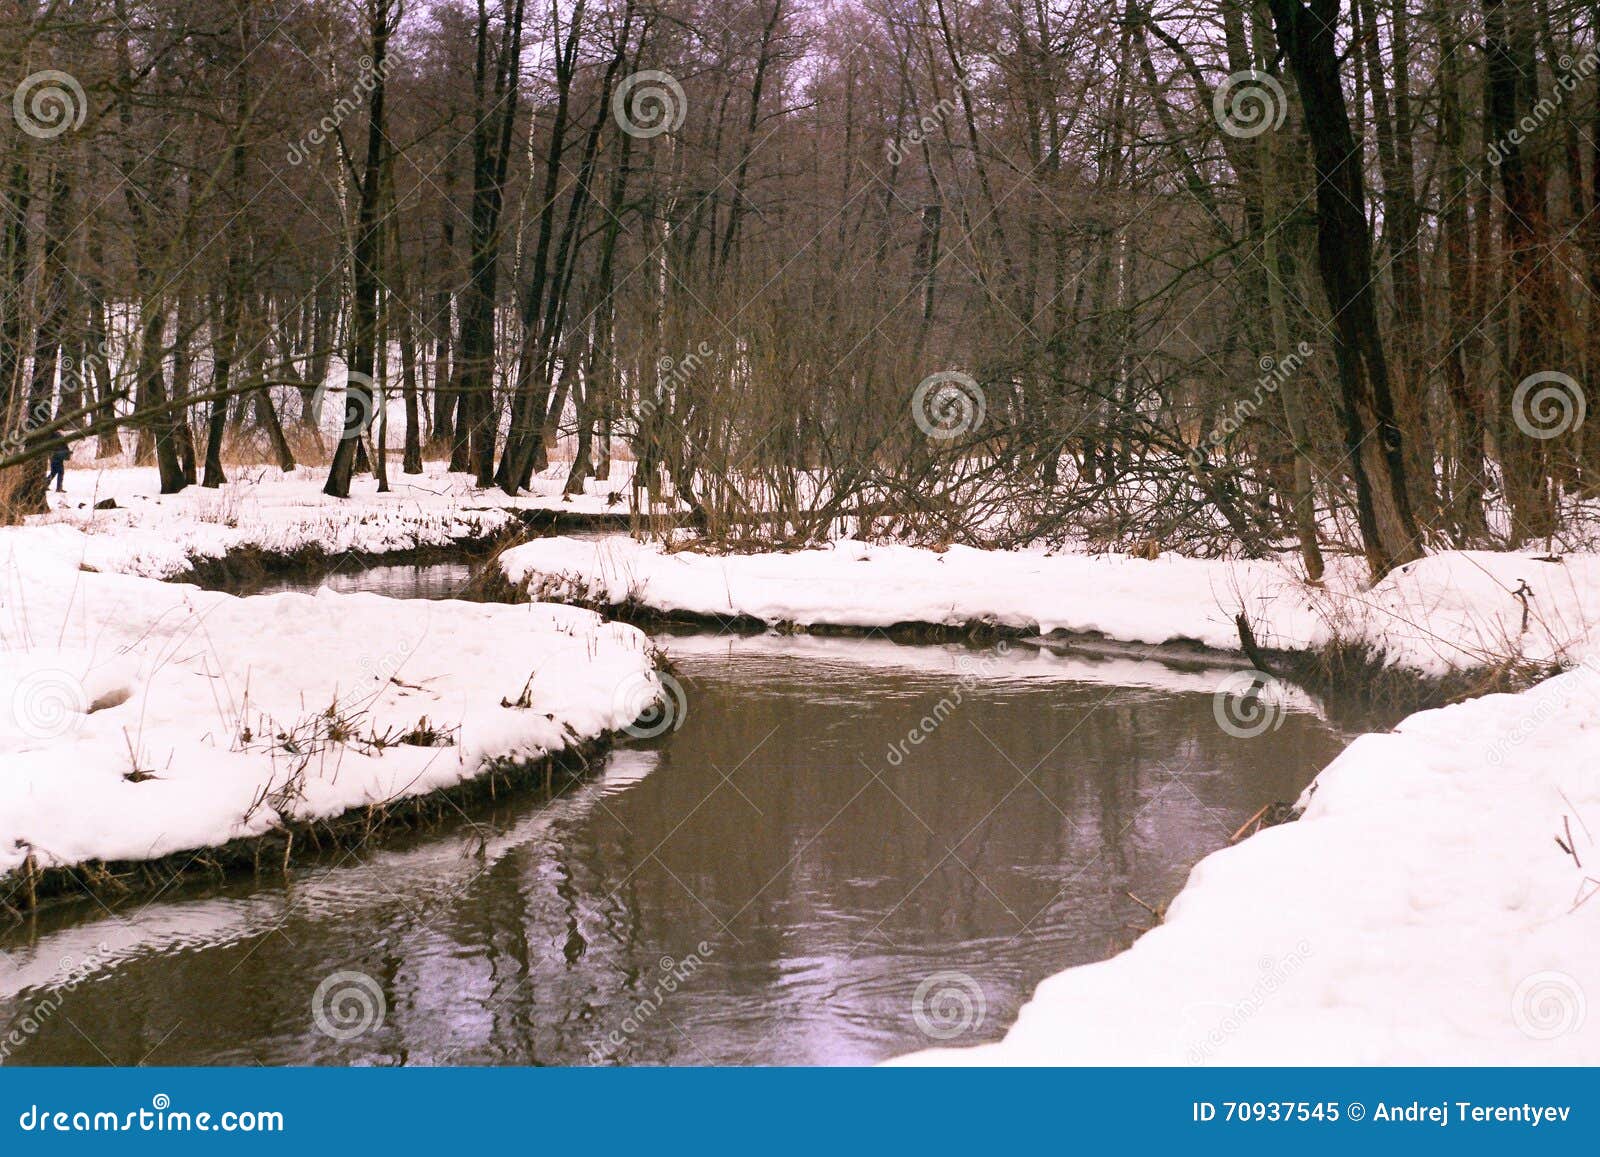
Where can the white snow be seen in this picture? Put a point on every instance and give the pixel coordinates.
(1420, 913)
(246, 712)
(158, 535)
(1448, 611)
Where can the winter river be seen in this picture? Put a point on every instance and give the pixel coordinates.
(786, 878)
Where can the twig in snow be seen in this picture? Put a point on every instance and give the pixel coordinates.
(1255, 819)
(1567, 844)
(1158, 913)
(1577, 813)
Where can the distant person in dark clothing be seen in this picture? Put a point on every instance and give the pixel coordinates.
(59, 453)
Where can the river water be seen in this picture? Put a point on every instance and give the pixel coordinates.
(847, 850)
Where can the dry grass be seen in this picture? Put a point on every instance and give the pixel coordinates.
(11, 482)
(253, 448)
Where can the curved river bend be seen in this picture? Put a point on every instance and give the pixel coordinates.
(786, 878)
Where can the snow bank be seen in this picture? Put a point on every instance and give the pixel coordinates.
(430, 873)
(159, 536)
(1445, 612)
(140, 718)
(1422, 912)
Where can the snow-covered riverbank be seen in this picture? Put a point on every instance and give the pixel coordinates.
(1438, 903)
(269, 513)
(144, 718)
(1451, 611)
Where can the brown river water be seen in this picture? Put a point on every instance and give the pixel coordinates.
(788, 877)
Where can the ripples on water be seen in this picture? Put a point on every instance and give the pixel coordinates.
(826, 881)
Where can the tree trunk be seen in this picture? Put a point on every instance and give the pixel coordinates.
(358, 399)
(1373, 442)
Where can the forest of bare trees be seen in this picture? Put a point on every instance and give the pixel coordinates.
(1257, 276)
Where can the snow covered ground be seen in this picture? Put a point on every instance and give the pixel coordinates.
(1436, 904)
(140, 718)
(1422, 912)
(261, 507)
(1449, 611)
